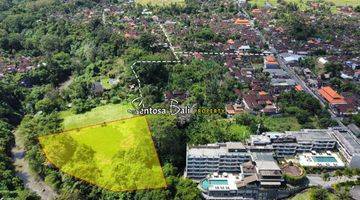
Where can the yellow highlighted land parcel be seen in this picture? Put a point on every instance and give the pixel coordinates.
(119, 156)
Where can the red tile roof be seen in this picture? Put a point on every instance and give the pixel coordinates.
(242, 22)
(331, 95)
(298, 88)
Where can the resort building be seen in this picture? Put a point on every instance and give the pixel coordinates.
(233, 171)
(327, 159)
(348, 145)
(258, 179)
(267, 169)
(313, 140)
(219, 157)
(292, 142)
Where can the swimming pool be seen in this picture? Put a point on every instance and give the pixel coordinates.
(324, 159)
(207, 183)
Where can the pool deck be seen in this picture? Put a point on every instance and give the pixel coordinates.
(221, 182)
(307, 160)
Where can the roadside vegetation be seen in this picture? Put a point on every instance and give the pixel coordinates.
(316, 194)
(79, 41)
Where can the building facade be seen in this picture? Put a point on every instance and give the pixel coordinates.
(258, 179)
(290, 143)
(348, 145)
(219, 157)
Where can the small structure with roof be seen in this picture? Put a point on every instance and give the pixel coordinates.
(331, 96)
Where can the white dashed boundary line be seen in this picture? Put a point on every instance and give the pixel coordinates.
(149, 62)
(189, 53)
(224, 53)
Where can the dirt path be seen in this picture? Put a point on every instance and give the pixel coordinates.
(31, 181)
(66, 84)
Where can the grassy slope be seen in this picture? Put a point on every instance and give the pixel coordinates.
(282, 123)
(97, 115)
(130, 136)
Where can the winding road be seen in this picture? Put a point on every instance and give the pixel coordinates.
(31, 180)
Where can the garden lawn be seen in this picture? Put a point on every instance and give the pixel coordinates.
(118, 156)
(106, 113)
(262, 2)
(282, 123)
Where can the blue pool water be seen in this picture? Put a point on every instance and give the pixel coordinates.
(322, 159)
(207, 183)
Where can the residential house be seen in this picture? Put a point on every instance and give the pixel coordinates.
(331, 96)
(259, 102)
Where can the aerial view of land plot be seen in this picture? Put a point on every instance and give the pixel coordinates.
(107, 113)
(118, 156)
(179, 99)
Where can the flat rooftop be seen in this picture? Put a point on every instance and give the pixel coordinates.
(265, 161)
(214, 149)
(349, 141)
(260, 139)
(311, 134)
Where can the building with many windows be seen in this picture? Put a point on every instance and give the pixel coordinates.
(258, 179)
(293, 142)
(232, 170)
(219, 157)
(349, 146)
(314, 140)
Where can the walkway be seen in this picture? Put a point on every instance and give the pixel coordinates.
(316, 180)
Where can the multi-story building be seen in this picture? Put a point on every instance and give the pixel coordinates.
(258, 179)
(348, 145)
(313, 140)
(293, 142)
(268, 170)
(234, 171)
(219, 157)
(285, 149)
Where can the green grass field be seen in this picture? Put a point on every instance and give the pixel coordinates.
(97, 115)
(282, 123)
(160, 2)
(119, 156)
(105, 83)
(238, 132)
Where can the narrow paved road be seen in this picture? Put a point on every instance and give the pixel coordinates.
(310, 91)
(31, 181)
(168, 40)
(316, 180)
